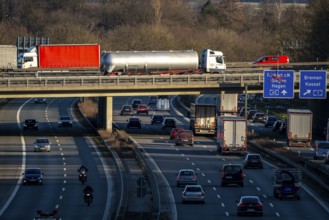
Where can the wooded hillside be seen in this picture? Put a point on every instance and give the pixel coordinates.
(243, 32)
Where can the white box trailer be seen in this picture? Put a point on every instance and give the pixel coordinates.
(163, 104)
(231, 134)
(8, 57)
(203, 118)
(299, 127)
(228, 104)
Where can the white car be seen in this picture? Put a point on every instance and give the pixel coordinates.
(193, 193)
(42, 144)
(65, 121)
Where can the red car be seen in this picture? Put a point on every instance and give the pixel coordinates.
(174, 133)
(142, 108)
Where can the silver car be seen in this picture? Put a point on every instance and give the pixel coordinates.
(186, 177)
(42, 144)
(193, 193)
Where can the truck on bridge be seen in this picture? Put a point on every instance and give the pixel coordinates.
(51, 57)
(162, 62)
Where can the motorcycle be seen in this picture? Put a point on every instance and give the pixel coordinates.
(83, 176)
(88, 198)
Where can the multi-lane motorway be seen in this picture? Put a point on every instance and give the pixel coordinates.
(203, 158)
(73, 146)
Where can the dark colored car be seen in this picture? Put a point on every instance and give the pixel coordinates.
(232, 174)
(64, 121)
(33, 176)
(283, 128)
(241, 112)
(134, 123)
(135, 103)
(251, 113)
(259, 117)
(30, 124)
(270, 120)
(249, 205)
(184, 137)
(157, 119)
(126, 110)
(174, 133)
(253, 160)
(142, 108)
(153, 100)
(277, 125)
(169, 123)
(321, 149)
(40, 100)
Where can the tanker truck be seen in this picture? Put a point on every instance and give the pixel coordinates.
(161, 62)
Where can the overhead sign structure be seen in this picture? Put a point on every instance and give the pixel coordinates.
(278, 84)
(313, 84)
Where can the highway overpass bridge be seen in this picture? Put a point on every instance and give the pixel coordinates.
(105, 87)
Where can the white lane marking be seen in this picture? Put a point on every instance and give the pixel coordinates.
(227, 214)
(177, 149)
(198, 169)
(258, 188)
(63, 189)
(214, 188)
(222, 204)
(64, 169)
(251, 181)
(64, 175)
(218, 196)
(187, 158)
(64, 181)
(203, 174)
(183, 155)
(19, 181)
(193, 164)
(64, 164)
(209, 181)
(204, 146)
(265, 196)
(57, 206)
(277, 214)
(271, 204)
(61, 197)
(62, 154)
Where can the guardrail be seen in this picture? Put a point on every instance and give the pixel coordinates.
(117, 81)
(285, 160)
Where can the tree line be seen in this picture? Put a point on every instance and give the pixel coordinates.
(242, 31)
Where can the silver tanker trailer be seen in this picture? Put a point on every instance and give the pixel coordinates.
(162, 62)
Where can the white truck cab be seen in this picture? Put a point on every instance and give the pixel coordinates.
(28, 59)
(212, 61)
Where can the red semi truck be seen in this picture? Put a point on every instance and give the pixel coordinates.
(61, 56)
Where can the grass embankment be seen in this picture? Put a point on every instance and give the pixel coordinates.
(118, 140)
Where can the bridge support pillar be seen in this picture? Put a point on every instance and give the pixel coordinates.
(105, 118)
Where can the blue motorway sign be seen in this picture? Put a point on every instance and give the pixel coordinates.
(313, 84)
(278, 84)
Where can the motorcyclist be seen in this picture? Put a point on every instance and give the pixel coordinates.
(88, 189)
(83, 168)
